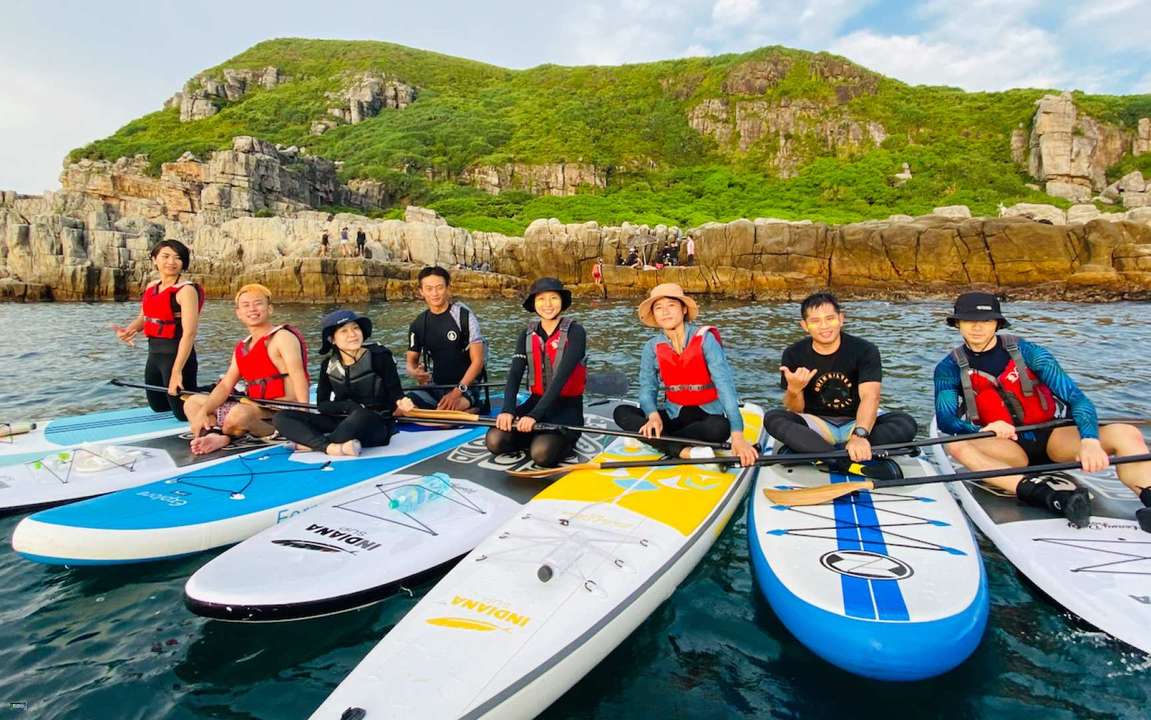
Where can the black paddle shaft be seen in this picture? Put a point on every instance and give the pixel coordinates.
(983, 474)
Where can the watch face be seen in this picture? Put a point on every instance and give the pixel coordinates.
(860, 432)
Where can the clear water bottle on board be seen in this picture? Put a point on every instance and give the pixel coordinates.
(406, 498)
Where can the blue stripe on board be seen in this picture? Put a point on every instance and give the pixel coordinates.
(96, 427)
(856, 594)
(889, 601)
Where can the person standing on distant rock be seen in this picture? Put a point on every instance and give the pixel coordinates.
(272, 361)
(345, 247)
(325, 247)
(170, 317)
(361, 242)
(445, 347)
(690, 249)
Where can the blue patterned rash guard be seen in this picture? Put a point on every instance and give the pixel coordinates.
(949, 410)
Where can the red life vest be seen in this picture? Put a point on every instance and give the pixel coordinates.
(685, 375)
(545, 358)
(1014, 397)
(162, 310)
(264, 379)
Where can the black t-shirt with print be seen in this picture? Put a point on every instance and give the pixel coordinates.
(834, 391)
(440, 336)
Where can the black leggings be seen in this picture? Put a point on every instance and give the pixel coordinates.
(547, 447)
(158, 371)
(692, 422)
(790, 429)
(318, 431)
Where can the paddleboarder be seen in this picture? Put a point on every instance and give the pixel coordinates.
(553, 351)
(832, 383)
(445, 347)
(272, 361)
(688, 360)
(170, 317)
(358, 393)
(994, 382)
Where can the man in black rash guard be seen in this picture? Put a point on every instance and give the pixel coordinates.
(445, 347)
(831, 382)
(553, 349)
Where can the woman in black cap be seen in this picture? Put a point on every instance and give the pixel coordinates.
(359, 392)
(553, 349)
(996, 382)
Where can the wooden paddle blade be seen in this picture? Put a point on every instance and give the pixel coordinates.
(544, 473)
(420, 414)
(816, 495)
(608, 384)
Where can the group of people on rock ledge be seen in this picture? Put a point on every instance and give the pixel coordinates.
(831, 382)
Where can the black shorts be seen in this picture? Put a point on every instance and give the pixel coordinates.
(1036, 446)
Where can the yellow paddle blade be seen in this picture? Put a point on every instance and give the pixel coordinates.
(544, 473)
(816, 495)
(440, 415)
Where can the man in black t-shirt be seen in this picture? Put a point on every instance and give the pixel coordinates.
(445, 347)
(831, 382)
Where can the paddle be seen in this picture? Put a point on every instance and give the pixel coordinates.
(234, 396)
(456, 417)
(610, 383)
(671, 462)
(827, 493)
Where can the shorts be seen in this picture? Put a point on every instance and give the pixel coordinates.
(428, 399)
(1035, 445)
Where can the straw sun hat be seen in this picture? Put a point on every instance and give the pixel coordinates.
(666, 290)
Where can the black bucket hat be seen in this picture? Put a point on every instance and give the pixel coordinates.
(548, 284)
(337, 318)
(977, 306)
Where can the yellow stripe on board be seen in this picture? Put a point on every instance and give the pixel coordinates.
(681, 497)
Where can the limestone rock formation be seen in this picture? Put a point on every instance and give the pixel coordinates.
(1142, 142)
(540, 179)
(1048, 214)
(1070, 152)
(202, 95)
(364, 96)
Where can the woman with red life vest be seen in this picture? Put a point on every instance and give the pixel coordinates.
(169, 316)
(689, 362)
(272, 361)
(996, 382)
(553, 350)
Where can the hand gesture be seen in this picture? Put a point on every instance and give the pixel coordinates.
(421, 374)
(653, 428)
(125, 335)
(797, 379)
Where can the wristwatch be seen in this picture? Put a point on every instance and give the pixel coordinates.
(861, 432)
(462, 388)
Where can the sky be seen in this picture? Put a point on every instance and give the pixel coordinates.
(73, 71)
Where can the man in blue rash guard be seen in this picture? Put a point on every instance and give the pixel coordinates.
(990, 393)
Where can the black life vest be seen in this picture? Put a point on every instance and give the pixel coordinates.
(359, 381)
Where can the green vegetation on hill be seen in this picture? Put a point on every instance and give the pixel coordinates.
(632, 120)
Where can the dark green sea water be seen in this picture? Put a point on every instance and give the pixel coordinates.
(117, 643)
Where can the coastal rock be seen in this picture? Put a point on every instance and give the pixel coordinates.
(1082, 213)
(540, 179)
(203, 94)
(1142, 143)
(1038, 212)
(364, 96)
(952, 211)
(1071, 152)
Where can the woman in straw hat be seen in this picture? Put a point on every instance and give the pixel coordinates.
(358, 395)
(553, 350)
(689, 361)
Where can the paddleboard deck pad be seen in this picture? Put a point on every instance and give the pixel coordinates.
(63, 476)
(355, 549)
(1101, 573)
(886, 584)
(539, 603)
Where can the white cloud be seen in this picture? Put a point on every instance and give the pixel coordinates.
(1113, 26)
(733, 12)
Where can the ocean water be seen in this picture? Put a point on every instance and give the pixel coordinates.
(117, 642)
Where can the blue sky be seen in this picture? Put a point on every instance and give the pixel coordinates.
(73, 71)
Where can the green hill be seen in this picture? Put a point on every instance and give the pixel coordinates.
(835, 134)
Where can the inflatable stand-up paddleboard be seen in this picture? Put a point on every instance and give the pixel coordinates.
(24, 441)
(214, 506)
(886, 584)
(1101, 573)
(540, 602)
(356, 548)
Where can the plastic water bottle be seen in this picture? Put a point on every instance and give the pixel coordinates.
(406, 498)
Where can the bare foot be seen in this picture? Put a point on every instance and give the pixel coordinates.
(335, 449)
(210, 443)
(352, 448)
(297, 447)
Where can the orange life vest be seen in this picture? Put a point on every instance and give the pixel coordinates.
(162, 310)
(1016, 396)
(263, 378)
(545, 358)
(685, 375)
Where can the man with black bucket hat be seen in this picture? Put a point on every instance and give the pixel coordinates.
(358, 393)
(994, 382)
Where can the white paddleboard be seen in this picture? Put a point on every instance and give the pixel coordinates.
(1102, 572)
(108, 426)
(538, 604)
(355, 549)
